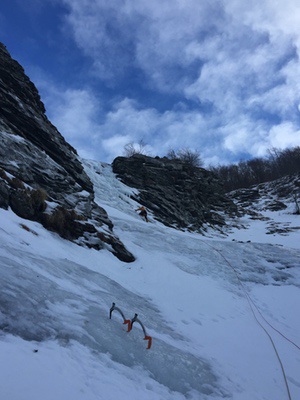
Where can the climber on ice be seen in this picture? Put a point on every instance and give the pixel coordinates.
(143, 212)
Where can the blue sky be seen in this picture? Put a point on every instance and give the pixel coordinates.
(218, 76)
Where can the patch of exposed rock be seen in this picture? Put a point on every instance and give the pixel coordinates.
(269, 196)
(281, 195)
(41, 177)
(178, 194)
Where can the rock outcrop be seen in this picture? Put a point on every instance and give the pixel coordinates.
(41, 177)
(23, 114)
(275, 195)
(179, 195)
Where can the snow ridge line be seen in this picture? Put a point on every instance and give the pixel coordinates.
(250, 302)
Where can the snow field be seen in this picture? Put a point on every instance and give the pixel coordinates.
(56, 296)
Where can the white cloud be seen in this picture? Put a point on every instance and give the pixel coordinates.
(238, 59)
(115, 144)
(218, 51)
(278, 18)
(246, 137)
(74, 112)
(80, 118)
(102, 136)
(284, 135)
(151, 36)
(160, 131)
(159, 35)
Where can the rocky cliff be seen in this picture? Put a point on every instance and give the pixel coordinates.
(178, 194)
(41, 177)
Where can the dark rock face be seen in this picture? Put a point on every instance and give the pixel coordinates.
(23, 114)
(179, 195)
(34, 156)
(273, 196)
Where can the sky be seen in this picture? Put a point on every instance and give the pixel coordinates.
(217, 76)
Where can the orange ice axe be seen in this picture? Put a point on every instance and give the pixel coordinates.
(125, 321)
(147, 337)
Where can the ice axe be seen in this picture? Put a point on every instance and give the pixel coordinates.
(126, 321)
(147, 337)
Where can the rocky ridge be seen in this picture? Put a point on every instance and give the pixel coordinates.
(178, 194)
(41, 176)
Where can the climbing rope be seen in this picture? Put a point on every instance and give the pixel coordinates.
(249, 298)
(250, 302)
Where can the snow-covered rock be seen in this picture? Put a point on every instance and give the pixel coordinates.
(34, 156)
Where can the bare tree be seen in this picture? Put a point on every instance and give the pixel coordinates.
(172, 154)
(277, 164)
(188, 156)
(297, 209)
(132, 148)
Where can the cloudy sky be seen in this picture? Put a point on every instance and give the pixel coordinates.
(218, 76)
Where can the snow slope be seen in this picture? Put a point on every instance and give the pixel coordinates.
(220, 312)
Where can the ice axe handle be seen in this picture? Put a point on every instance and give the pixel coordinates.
(128, 322)
(149, 338)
